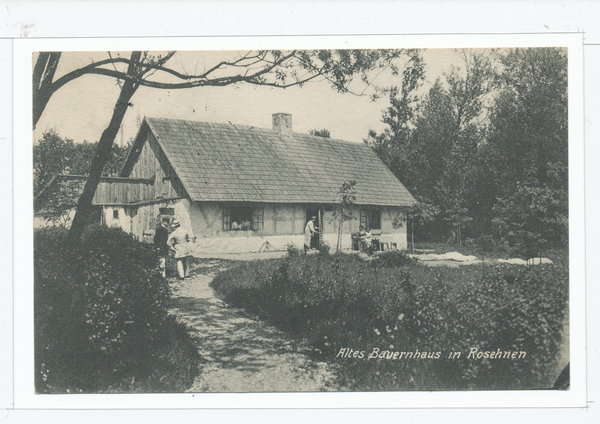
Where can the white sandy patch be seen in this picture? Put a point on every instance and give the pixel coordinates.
(450, 256)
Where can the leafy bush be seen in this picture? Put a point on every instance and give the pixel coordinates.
(392, 304)
(101, 322)
(292, 249)
(534, 218)
(486, 242)
(393, 259)
(513, 308)
(324, 248)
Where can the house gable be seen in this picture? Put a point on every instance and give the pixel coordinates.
(147, 160)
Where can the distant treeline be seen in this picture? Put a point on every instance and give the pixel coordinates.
(484, 149)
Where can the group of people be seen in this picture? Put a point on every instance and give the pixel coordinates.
(364, 238)
(311, 231)
(176, 242)
(244, 226)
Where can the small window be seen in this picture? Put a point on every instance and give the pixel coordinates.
(243, 218)
(115, 213)
(167, 211)
(370, 219)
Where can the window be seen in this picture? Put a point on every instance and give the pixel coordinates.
(166, 211)
(115, 213)
(243, 218)
(258, 219)
(166, 215)
(370, 219)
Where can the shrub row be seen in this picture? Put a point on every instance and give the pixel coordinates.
(391, 304)
(101, 322)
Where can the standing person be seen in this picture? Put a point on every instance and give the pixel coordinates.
(309, 232)
(178, 242)
(161, 235)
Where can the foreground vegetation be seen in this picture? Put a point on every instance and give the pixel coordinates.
(392, 324)
(101, 323)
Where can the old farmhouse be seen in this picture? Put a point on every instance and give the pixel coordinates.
(239, 188)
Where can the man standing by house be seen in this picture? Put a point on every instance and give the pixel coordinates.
(178, 242)
(161, 235)
(309, 232)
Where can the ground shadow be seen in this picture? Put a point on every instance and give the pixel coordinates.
(228, 335)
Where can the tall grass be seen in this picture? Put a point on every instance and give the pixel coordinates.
(341, 304)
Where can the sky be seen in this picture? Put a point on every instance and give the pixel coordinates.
(81, 109)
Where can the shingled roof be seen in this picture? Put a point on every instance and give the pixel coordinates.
(225, 162)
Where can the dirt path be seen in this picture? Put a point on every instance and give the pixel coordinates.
(239, 353)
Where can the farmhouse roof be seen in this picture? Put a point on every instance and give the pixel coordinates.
(225, 162)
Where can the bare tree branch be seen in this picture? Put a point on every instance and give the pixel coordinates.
(268, 68)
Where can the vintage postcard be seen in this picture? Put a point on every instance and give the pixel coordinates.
(323, 221)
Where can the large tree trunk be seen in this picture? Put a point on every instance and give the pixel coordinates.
(103, 151)
(339, 239)
(412, 235)
(43, 76)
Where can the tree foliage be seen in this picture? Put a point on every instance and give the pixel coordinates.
(528, 149)
(275, 68)
(394, 145)
(486, 145)
(53, 154)
(528, 127)
(320, 133)
(532, 217)
(421, 213)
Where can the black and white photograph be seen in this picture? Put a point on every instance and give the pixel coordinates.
(301, 220)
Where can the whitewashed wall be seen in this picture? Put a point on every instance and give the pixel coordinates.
(283, 225)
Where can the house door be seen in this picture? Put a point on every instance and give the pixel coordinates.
(314, 211)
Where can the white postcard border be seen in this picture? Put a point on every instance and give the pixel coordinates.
(23, 246)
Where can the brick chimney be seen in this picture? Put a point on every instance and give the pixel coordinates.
(282, 122)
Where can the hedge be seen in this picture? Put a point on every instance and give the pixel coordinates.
(101, 320)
